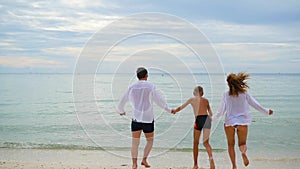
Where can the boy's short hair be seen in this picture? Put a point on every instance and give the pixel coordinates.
(141, 72)
(199, 89)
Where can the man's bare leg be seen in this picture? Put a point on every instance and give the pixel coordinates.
(206, 133)
(195, 148)
(148, 147)
(230, 133)
(135, 147)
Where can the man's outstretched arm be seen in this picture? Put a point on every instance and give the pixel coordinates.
(160, 101)
(122, 102)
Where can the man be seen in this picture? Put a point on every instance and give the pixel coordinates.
(141, 95)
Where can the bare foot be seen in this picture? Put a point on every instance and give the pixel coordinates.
(144, 163)
(195, 167)
(245, 159)
(134, 166)
(212, 163)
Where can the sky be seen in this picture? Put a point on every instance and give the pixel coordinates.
(49, 36)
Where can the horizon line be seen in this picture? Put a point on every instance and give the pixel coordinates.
(279, 73)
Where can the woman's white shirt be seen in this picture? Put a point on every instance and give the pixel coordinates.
(236, 109)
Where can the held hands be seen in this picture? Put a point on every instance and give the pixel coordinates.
(270, 112)
(174, 111)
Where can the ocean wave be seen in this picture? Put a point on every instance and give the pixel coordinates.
(289, 159)
(27, 145)
(47, 146)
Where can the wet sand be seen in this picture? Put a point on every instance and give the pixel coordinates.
(85, 159)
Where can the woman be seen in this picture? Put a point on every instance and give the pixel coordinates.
(235, 104)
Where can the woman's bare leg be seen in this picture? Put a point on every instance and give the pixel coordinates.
(206, 133)
(242, 132)
(230, 133)
(195, 148)
(135, 147)
(147, 149)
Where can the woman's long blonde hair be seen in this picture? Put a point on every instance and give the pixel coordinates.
(237, 83)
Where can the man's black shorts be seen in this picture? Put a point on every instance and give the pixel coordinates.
(146, 127)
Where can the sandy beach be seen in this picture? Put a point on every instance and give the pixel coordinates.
(69, 159)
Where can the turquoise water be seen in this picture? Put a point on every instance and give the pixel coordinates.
(38, 111)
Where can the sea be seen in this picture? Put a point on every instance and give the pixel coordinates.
(56, 111)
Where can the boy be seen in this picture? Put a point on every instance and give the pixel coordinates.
(203, 116)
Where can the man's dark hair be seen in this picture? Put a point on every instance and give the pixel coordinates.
(141, 72)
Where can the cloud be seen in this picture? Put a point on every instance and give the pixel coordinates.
(63, 51)
(259, 57)
(257, 52)
(295, 60)
(52, 20)
(221, 31)
(24, 62)
(84, 4)
(9, 46)
(44, 33)
(5, 44)
(241, 12)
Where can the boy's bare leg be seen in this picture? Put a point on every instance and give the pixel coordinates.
(230, 132)
(148, 147)
(135, 147)
(206, 133)
(195, 148)
(242, 132)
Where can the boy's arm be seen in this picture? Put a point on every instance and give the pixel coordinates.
(183, 105)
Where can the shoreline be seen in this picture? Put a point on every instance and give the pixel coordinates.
(45, 158)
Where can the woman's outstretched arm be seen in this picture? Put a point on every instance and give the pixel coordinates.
(254, 103)
(221, 110)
